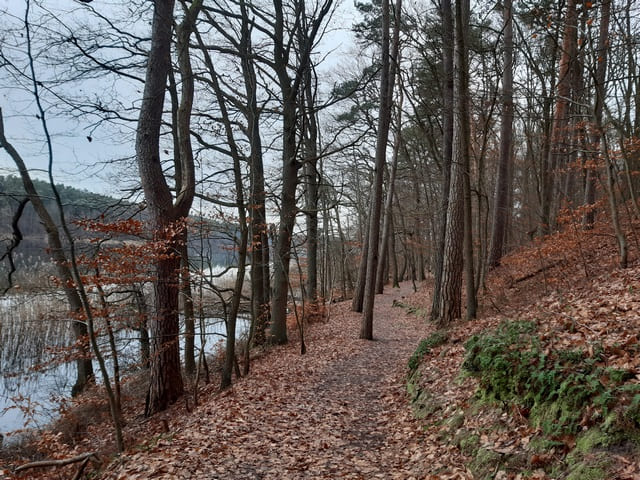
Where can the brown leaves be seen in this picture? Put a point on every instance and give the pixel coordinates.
(337, 412)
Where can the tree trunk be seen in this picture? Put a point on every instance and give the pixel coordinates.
(311, 178)
(260, 274)
(453, 261)
(501, 209)
(358, 293)
(288, 212)
(166, 384)
(84, 367)
(558, 147)
(384, 122)
(447, 149)
(599, 79)
(388, 208)
(289, 89)
(188, 311)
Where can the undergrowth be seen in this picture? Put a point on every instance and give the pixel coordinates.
(560, 391)
(434, 340)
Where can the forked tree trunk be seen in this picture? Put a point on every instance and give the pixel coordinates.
(289, 90)
(166, 384)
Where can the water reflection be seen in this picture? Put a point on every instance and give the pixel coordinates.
(34, 374)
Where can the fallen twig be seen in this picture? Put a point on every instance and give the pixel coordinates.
(59, 463)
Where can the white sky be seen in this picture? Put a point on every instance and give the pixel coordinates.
(86, 164)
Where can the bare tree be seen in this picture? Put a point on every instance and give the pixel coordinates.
(165, 215)
(290, 84)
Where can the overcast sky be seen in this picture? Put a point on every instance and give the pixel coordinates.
(78, 161)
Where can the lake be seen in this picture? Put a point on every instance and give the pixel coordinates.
(34, 379)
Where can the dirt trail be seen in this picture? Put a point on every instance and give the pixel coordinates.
(337, 412)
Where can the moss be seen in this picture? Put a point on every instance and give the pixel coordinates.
(589, 460)
(468, 442)
(589, 467)
(456, 421)
(543, 445)
(591, 439)
(411, 309)
(434, 340)
(561, 389)
(425, 405)
(587, 472)
(485, 464)
(413, 388)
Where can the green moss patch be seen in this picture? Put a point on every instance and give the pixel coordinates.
(560, 390)
(571, 396)
(424, 348)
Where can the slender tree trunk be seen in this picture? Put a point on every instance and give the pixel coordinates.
(384, 122)
(84, 368)
(451, 289)
(142, 327)
(559, 132)
(358, 293)
(502, 208)
(288, 211)
(188, 311)
(388, 207)
(289, 89)
(447, 148)
(311, 178)
(392, 255)
(599, 78)
(260, 272)
(177, 116)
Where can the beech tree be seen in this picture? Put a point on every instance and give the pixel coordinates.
(290, 83)
(166, 215)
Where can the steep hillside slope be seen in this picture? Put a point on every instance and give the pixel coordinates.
(546, 383)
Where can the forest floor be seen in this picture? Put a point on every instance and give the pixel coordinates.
(339, 411)
(342, 409)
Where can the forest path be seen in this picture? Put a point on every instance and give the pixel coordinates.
(339, 411)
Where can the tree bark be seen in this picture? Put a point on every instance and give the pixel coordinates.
(453, 260)
(501, 209)
(259, 248)
(388, 207)
(447, 148)
(384, 122)
(311, 179)
(166, 384)
(599, 79)
(558, 147)
(289, 89)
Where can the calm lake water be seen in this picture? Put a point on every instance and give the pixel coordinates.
(32, 382)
